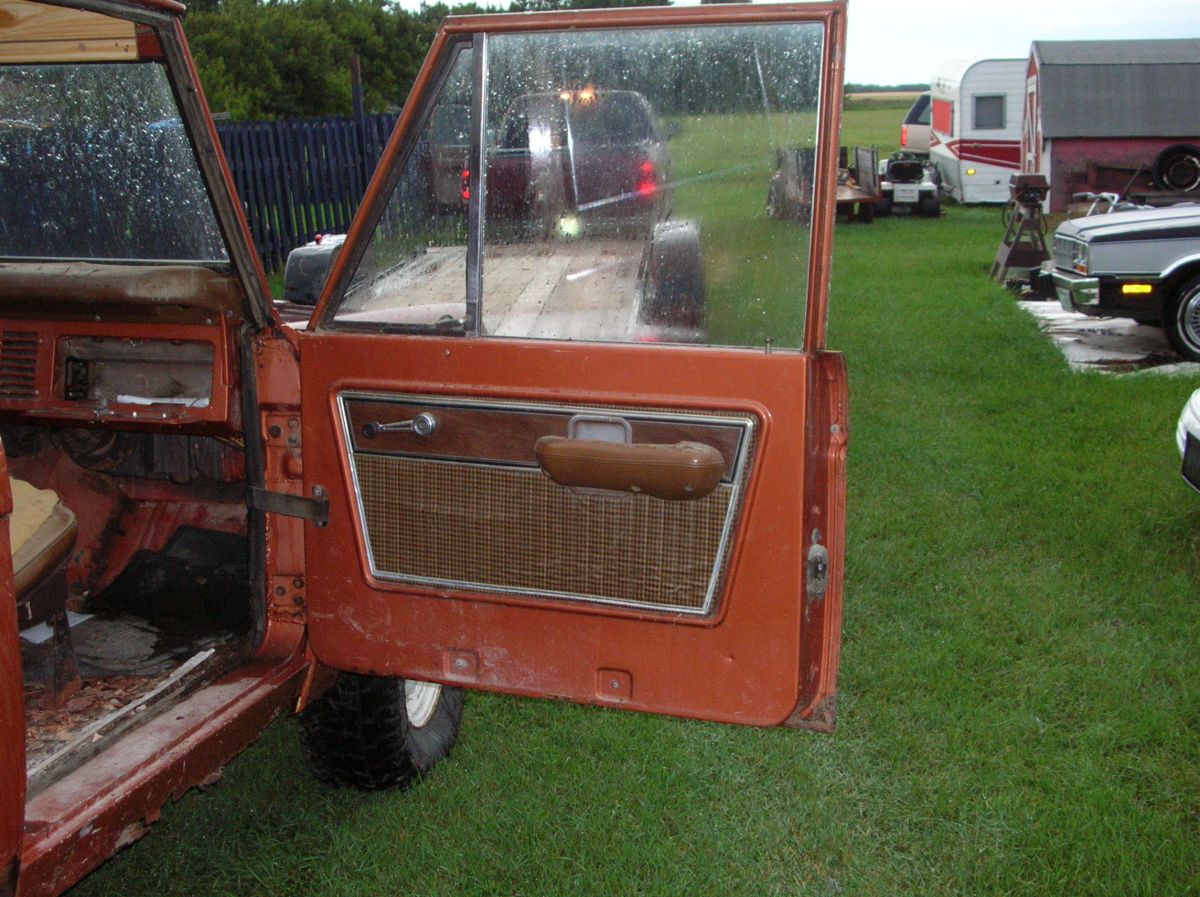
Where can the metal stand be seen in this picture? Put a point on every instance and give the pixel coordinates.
(1024, 243)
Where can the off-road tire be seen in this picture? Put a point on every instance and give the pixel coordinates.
(929, 206)
(1181, 320)
(358, 734)
(675, 291)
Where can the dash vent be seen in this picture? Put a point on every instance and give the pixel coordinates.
(18, 364)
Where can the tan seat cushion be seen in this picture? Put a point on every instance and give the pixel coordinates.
(41, 534)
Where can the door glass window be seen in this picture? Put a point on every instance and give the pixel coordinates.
(650, 185)
(413, 270)
(636, 185)
(989, 113)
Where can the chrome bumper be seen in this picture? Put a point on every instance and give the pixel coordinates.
(1076, 292)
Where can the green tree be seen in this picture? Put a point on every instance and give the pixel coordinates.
(282, 59)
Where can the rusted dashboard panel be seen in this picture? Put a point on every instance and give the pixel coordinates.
(122, 372)
(462, 502)
(108, 370)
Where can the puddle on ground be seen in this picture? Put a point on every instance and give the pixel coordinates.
(1112, 345)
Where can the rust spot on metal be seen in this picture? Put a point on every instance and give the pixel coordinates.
(821, 717)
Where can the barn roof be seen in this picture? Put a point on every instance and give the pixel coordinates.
(1123, 88)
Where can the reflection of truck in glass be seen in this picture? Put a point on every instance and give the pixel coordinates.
(592, 152)
(581, 172)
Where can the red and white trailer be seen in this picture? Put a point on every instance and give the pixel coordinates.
(975, 139)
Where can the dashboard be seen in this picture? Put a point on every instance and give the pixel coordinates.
(128, 372)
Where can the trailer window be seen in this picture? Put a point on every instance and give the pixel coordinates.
(943, 117)
(989, 112)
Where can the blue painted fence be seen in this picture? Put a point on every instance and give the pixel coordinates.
(301, 177)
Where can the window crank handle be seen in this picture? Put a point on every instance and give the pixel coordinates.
(423, 425)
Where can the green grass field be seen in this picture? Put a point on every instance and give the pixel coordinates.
(1020, 678)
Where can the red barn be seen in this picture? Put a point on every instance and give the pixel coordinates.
(1112, 116)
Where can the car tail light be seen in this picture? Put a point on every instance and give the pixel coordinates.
(465, 184)
(904, 135)
(647, 181)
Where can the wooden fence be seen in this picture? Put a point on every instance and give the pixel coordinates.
(301, 177)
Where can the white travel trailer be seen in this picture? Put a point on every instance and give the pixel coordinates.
(975, 137)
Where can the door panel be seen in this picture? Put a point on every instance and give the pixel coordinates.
(648, 522)
(493, 521)
(753, 656)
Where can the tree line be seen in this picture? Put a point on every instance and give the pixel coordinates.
(262, 59)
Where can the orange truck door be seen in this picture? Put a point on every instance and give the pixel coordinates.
(572, 412)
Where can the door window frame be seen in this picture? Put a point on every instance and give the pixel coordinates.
(470, 33)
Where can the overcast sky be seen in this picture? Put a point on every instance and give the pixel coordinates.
(902, 41)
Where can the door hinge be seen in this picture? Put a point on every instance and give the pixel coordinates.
(816, 568)
(314, 509)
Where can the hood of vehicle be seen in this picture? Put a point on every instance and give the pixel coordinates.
(1154, 224)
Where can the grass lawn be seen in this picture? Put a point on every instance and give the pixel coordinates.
(1020, 680)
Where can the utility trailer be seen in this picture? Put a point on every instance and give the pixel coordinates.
(858, 191)
(975, 135)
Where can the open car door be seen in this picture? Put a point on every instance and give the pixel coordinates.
(565, 390)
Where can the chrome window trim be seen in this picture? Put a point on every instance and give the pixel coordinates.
(477, 184)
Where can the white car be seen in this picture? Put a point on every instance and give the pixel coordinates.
(1187, 438)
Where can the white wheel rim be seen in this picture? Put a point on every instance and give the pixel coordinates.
(420, 701)
(1189, 320)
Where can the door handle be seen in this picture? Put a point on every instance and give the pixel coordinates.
(684, 471)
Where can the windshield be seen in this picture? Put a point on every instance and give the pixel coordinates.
(95, 164)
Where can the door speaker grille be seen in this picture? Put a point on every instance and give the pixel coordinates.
(512, 529)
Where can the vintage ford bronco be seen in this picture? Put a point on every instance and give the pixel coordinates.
(1142, 264)
(465, 471)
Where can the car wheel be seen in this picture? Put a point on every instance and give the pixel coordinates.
(378, 732)
(1182, 322)
(929, 206)
(866, 212)
(1177, 168)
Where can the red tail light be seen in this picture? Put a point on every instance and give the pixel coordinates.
(465, 184)
(647, 181)
(904, 135)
